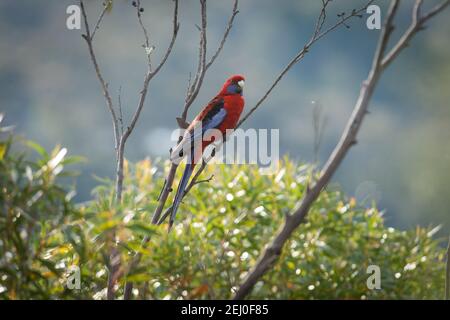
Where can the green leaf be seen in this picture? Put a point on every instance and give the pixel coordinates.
(38, 148)
(73, 159)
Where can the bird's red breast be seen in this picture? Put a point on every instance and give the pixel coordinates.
(234, 104)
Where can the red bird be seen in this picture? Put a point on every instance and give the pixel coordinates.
(221, 113)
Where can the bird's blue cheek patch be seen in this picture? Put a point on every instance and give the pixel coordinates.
(233, 89)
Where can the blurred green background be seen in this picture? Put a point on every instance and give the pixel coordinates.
(49, 90)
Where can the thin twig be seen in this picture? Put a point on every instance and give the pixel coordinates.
(150, 74)
(148, 49)
(447, 273)
(100, 18)
(107, 95)
(120, 110)
(225, 35)
(176, 28)
(417, 24)
(201, 66)
(317, 35)
(322, 17)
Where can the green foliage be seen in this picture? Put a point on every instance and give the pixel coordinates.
(35, 212)
(220, 230)
(222, 226)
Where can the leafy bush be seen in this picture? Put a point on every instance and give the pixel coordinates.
(34, 214)
(220, 229)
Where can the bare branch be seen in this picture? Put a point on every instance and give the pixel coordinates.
(176, 27)
(107, 95)
(447, 273)
(120, 110)
(148, 49)
(150, 74)
(417, 25)
(348, 139)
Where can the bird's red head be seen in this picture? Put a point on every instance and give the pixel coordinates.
(234, 85)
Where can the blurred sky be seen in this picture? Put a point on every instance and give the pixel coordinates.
(49, 90)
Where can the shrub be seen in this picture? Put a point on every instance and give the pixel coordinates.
(35, 212)
(222, 226)
(220, 229)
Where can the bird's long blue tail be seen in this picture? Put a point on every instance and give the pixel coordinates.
(180, 191)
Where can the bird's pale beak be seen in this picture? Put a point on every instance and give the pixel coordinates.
(241, 84)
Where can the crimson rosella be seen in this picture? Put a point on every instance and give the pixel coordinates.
(221, 113)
